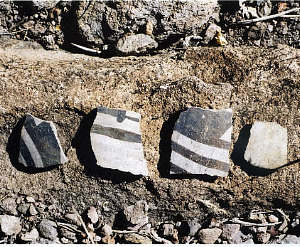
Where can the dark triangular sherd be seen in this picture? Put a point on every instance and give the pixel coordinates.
(201, 141)
(39, 144)
(116, 141)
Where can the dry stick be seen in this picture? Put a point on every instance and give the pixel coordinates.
(125, 232)
(269, 16)
(245, 223)
(86, 49)
(291, 16)
(68, 226)
(83, 225)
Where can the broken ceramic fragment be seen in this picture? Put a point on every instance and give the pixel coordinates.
(201, 141)
(116, 141)
(39, 144)
(267, 146)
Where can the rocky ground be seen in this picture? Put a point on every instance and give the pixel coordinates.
(256, 74)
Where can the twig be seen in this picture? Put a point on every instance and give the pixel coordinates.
(68, 226)
(125, 232)
(83, 225)
(86, 49)
(2, 241)
(269, 16)
(291, 16)
(245, 223)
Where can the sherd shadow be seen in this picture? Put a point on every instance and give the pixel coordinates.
(165, 150)
(13, 149)
(82, 143)
(238, 152)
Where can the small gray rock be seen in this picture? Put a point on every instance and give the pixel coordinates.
(107, 230)
(48, 4)
(39, 144)
(209, 235)
(267, 146)
(47, 229)
(67, 234)
(136, 215)
(194, 226)
(167, 230)
(93, 215)
(229, 230)
(135, 44)
(32, 210)
(263, 237)
(137, 239)
(23, 208)
(211, 32)
(73, 219)
(10, 206)
(291, 239)
(10, 225)
(31, 236)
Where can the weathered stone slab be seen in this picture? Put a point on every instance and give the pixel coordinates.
(137, 43)
(201, 141)
(39, 144)
(267, 146)
(116, 141)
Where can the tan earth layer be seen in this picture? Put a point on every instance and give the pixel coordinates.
(64, 88)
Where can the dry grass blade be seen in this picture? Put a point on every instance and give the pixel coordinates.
(83, 225)
(245, 223)
(68, 227)
(86, 49)
(124, 232)
(264, 18)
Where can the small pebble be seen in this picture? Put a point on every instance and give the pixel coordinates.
(93, 215)
(32, 210)
(273, 219)
(30, 199)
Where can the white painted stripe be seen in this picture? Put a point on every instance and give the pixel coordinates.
(227, 135)
(200, 148)
(133, 114)
(35, 155)
(193, 167)
(37, 120)
(22, 160)
(107, 120)
(115, 154)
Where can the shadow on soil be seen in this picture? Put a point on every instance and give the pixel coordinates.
(85, 154)
(165, 153)
(13, 149)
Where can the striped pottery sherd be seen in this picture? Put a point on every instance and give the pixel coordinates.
(39, 144)
(201, 141)
(116, 141)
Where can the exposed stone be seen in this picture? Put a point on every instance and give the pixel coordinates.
(30, 199)
(106, 230)
(93, 215)
(201, 141)
(194, 227)
(135, 44)
(67, 234)
(31, 236)
(263, 237)
(211, 32)
(39, 144)
(73, 219)
(10, 225)
(167, 230)
(116, 141)
(136, 215)
(291, 239)
(273, 219)
(23, 208)
(267, 146)
(48, 4)
(47, 229)
(209, 235)
(103, 22)
(229, 230)
(9, 205)
(137, 239)
(32, 210)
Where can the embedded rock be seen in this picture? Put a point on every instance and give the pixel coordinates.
(30, 236)
(10, 225)
(116, 141)
(48, 229)
(10, 206)
(137, 43)
(134, 238)
(105, 22)
(201, 141)
(39, 144)
(136, 215)
(229, 230)
(209, 235)
(267, 146)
